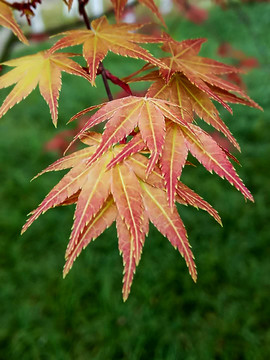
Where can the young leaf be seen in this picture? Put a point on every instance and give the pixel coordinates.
(7, 19)
(43, 68)
(118, 38)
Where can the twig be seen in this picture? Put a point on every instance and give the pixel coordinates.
(82, 12)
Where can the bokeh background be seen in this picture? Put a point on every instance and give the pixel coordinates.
(167, 317)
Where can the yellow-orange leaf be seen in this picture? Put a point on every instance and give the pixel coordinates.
(173, 159)
(207, 151)
(99, 223)
(103, 37)
(126, 248)
(181, 91)
(43, 68)
(193, 199)
(168, 223)
(125, 114)
(7, 20)
(94, 192)
(127, 196)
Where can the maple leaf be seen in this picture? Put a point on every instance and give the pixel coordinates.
(184, 58)
(192, 76)
(123, 193)
(202, 72)
(118, 38)
(43, 68)
(173, 159)
(171, 146)
(185, 195)
(181, 91)
(119, 6)
(125, 114)
(168, 223)
(213, 158)
(7, 19)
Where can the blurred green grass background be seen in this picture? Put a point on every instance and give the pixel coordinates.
(167, 317)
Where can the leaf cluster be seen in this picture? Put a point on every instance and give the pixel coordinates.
(130, 173)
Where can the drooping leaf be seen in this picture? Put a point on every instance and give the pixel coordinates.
(193, 199)
(152, 128)
(68, 161)
(125, 114)
(185, 195)
(181, 91)
(95, 191)
(173, 159)
(168, 223)
(213, 158)
(127, 196)
(70, 184)
(43, 68)
(126, 248)
(225, 95)
(99, 223)
(7, 19)
(124, 193)
(202, 73)
(103, 37)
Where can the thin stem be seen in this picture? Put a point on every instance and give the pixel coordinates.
(82, 11)
(105, 81)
